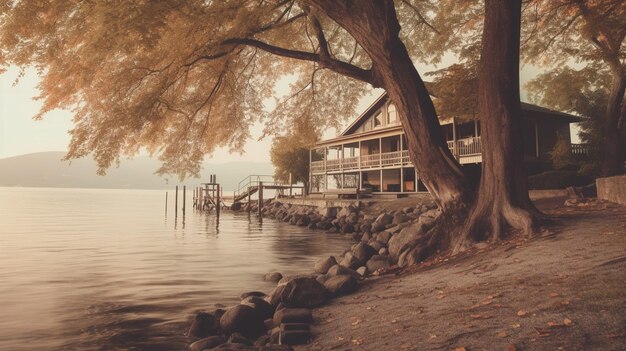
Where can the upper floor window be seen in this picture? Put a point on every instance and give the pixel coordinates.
(392, 116)
(378, 120)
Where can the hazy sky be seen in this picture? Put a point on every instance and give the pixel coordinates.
(20, 134)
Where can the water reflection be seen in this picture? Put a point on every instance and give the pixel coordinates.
(104, 270)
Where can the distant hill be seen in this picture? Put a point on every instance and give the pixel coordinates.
(46, 169)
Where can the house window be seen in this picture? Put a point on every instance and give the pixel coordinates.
(378, 120)
(392, 117)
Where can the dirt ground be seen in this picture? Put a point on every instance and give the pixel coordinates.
(563, 290)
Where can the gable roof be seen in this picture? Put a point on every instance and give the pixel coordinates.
(539, 111)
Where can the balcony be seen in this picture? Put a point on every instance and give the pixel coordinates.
(386, 159)
(464, 149)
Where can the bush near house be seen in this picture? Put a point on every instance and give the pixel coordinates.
(557, 180)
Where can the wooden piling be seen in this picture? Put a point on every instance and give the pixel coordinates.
(218, 206)
(290, 185)
(184, 198)
(176, 202)
(166, 202)
(260, 191)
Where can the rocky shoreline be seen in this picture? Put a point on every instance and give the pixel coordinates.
(283, 318)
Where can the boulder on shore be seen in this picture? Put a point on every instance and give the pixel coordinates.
(323, 264)
(377, 262)
(398, 242)
(341, 285)
(264, 308)
(273, 277)
(300, 292)
(362, 252)
(204, 324)
(243, 319)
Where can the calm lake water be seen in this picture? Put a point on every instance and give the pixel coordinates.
(87, 269)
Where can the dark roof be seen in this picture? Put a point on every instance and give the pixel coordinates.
(540, 111)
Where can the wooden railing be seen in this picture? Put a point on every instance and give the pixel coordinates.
(580, 149)
(465, 146)
(462, 147)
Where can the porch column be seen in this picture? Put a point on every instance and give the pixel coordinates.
(310, 170)
(380, 174)
(536, 139)
(475, 128)
(380, 152)
(359, 158)
(454, 148)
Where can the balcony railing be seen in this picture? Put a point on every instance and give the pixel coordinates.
(465, 146)
(580, 149)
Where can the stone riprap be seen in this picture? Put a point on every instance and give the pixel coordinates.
(282, 318)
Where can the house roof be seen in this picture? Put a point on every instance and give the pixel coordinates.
(542, 112)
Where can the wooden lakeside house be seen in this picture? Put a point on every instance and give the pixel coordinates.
(371, 154)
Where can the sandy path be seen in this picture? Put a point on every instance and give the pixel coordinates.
(573, 278)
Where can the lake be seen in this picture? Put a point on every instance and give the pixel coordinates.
(94, 269)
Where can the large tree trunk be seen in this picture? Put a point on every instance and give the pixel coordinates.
(375, 27)
(503, 200)
(613, 131)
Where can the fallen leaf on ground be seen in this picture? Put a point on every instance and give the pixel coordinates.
(357, 341)
(356, 321)
(502, 334)
(394, 321)
(487, 302)
(473, 307)
(542, 333)
(522, 313)
(510, 347)
(340, 338)
(567, 322)
(460, 349)
(554, 294)
(406, 346)
(479, 316)
(565, 302)
(516, 326)
(552, 324)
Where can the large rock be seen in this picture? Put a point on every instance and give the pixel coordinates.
(303, 221)
(300, 292)
(204, 324)
(350, 261)
(341, 270)
(353, 218)
(383, 237)
(400, 241)
(323, 264)
(243, 319)
(398, 218)
(273, 277)
(341, 285)
(362, 252)
(323, 225)
(347, 228)
(206, 343)
(292, 315)
(264, 308)
(377, 262)
(381, 222)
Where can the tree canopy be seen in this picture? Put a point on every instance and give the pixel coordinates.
(180, 78)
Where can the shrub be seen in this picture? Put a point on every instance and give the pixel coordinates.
(557, 180)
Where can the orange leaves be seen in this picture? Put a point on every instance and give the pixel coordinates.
(522, 313)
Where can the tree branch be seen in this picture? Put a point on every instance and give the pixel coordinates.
(420, 16)
(352, 71)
